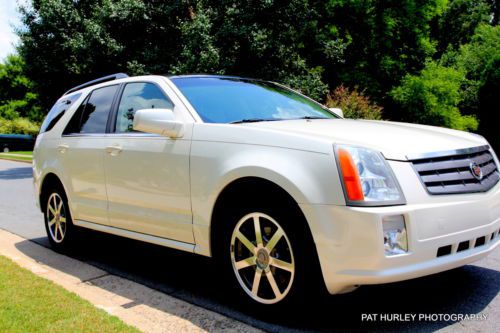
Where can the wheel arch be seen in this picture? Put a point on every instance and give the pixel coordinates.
(267, 189)
(249, 186)
(49, 180)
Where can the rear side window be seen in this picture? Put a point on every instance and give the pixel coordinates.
(92, 115)
(57, 111)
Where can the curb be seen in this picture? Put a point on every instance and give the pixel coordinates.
(137, 305)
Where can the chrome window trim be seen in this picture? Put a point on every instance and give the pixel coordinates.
(106, 135)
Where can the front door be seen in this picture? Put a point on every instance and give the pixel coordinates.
(147, 176)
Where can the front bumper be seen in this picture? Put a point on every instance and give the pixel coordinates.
(349, 240)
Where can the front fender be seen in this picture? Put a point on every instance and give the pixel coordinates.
(309, 177)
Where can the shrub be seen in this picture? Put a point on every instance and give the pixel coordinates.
(18, 126)
(353, 103)
(433, 96)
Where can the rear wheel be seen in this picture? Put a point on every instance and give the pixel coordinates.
(58, 222)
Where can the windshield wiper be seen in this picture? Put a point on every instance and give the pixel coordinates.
(309, 117)
(252, 120)
(256, 120)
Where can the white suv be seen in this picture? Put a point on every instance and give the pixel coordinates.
(278, 188)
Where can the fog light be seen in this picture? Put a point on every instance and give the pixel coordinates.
(395, 240)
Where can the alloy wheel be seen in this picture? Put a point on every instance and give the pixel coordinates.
(262, 258)
(56, 218)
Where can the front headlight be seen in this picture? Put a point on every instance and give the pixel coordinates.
(367, 177)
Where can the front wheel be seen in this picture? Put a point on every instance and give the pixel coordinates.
(269, 257)
(262, 258)
(58, 222)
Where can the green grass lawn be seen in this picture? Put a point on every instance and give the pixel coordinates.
(27, 153)
(26, 156)
(29, 303)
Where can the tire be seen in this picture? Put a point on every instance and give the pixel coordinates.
(58, 222)
(277, 272)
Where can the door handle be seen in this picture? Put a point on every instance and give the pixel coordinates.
(62, 148)
(113, 150)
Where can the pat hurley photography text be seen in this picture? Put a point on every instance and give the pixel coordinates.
(373, 317)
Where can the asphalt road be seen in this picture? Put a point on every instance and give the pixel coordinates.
(470, 290)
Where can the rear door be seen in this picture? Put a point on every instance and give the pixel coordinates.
(81, 153)
(147, 175)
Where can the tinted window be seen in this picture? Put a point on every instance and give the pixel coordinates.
(225, 100)
(137, 96)
(57, 112)
(74, 123)
(95, 115)
(92, 114)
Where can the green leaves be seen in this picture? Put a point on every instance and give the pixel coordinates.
(459, 21)
(423, 60)
(433, 96)
(18, 126)
(17, 97)
(456, 90)
(199, 53)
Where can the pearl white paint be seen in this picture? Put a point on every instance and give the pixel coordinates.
(163, 190)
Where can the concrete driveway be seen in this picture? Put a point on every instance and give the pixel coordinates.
(470, 290)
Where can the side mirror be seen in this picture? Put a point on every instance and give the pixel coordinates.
(337, 111)
(158, 121)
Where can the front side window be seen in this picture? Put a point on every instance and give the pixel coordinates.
(137, 96)
(226, 100)
(92, 115)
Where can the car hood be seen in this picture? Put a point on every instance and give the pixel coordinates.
(395, 140)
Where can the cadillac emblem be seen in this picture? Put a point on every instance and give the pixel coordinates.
(476, 170)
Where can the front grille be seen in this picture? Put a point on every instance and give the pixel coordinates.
(451, 172)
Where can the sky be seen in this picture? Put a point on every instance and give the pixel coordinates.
(9, 18)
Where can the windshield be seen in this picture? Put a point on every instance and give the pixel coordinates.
(232, 100)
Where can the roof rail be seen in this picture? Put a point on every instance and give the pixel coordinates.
(99, 80)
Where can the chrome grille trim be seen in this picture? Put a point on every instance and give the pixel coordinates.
(463, 151)
(449, 172)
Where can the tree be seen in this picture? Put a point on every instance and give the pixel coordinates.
(480, 61)
(459, 21)
(384, 47)
(17, 97)
(488, 97)
(199, 54)
(476, 59)
(432, 97)
(272, 40)
(307, 44)
(81, 40)
(385, 40)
